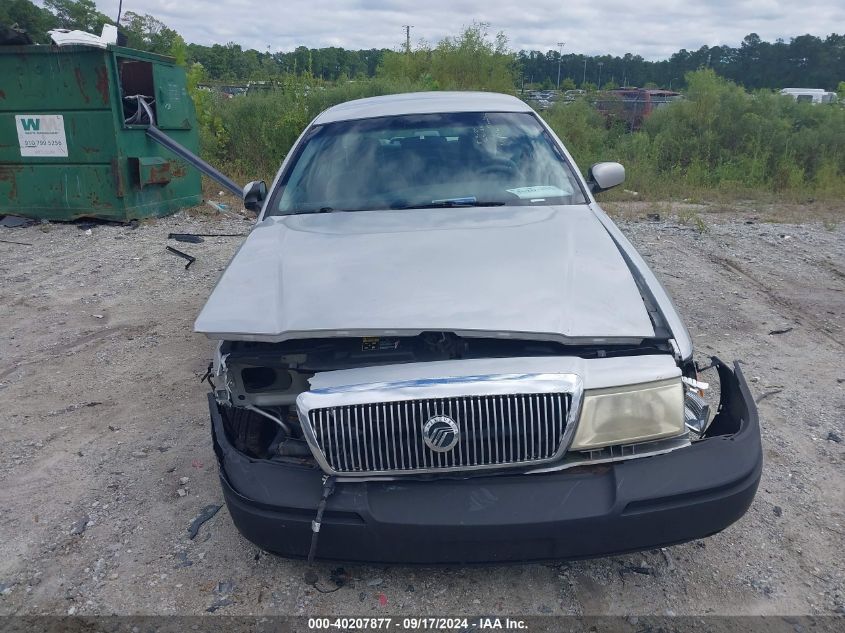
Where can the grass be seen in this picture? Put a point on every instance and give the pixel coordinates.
(690, 217)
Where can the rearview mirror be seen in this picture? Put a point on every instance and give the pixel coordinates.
(254, 194)
(603, 176)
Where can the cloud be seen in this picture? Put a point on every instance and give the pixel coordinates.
(652, 28)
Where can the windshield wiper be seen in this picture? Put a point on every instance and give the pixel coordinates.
(454, 203)
(317, 210)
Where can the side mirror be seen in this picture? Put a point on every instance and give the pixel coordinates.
(603, 176)
(254, 194)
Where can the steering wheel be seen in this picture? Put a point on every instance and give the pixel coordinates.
(502, 166)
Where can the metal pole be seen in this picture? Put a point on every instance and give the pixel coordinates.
(407, 28)
(162, 139)
(600, 65)
(584, 79)
(560, 46)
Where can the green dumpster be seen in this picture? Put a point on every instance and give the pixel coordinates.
(66, 149)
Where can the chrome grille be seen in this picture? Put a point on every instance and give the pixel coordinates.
(495, 430)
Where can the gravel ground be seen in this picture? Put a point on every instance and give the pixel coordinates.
(106, 455)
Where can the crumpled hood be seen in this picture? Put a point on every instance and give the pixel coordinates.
(550, 273)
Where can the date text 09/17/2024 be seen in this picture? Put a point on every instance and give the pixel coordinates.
(416, 624)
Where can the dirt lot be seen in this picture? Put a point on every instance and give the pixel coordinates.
(106, 455)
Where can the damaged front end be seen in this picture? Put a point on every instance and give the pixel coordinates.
(257, 405)
(454, 460)
(360, 406)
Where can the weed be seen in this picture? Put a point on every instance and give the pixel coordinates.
(690, 217)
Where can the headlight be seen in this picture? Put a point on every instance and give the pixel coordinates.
(626, 415)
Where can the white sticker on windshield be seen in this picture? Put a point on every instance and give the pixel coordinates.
(540, 191)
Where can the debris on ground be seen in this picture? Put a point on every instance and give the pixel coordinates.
(191, 259)
(781, 331)
(205, 514)
(224, 591)
(225, 587)
(339, 576)
(643, 568)
(219, 603)
(80, 525)
(768, 394)
(183, 560)
(15, 221)
(220, 207)
(185, 237)
(670, 563)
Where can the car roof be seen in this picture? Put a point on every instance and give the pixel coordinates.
(422, 103)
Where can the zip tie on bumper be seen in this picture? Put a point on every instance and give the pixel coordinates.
(328, 489)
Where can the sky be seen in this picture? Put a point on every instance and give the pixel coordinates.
(653, 29)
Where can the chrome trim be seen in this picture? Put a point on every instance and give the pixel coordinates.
(634, 451)
(518, 386)
(618, 453)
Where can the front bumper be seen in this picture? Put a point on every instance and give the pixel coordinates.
(585, 512)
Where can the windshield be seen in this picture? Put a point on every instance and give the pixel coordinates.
(429, 160)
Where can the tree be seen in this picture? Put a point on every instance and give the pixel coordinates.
(473, 61)
(79, 15)
(469, 61)
(147, 33)
(474, 58)
(414, 65)
(28, 17)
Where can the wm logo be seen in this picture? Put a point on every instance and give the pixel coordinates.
(31, 125)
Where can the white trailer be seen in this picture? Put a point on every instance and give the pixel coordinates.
(810, 95)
